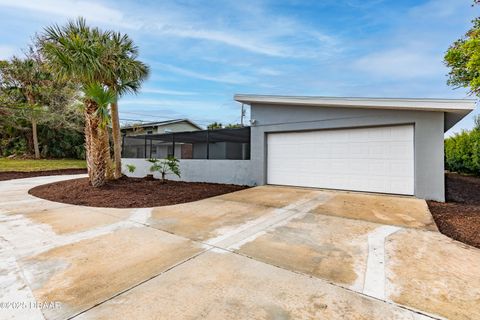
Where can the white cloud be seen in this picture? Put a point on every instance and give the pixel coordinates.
(6, 52)
(229, 78)
(152, 103)
(168, 92)
(401, 63)
(407, 59)
(266, 71)
(439, 9)
(362, 4)
(92, 11)
(250, 26)
(265, 43)
(259, 32)
(247, 43)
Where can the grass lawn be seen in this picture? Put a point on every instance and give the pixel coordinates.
(29, 165)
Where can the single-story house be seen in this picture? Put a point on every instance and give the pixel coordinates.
(381, 145)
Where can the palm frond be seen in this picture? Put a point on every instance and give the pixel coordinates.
(103, 97)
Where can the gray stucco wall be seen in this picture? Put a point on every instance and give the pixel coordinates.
(198, 170)
(429, 154)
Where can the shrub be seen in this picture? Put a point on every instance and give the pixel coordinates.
(170, 165)
(131, 168)
(462, 152)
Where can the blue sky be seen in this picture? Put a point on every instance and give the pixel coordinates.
(203, 52)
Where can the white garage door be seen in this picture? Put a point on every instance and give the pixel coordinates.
(379, 159)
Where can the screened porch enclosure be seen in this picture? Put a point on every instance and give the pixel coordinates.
(226, 144)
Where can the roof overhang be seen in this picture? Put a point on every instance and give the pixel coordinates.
(454, 109)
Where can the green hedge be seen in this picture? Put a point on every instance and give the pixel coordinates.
(462, 152)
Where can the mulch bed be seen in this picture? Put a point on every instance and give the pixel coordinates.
(9, 175)
(459, 217)
(130, 192)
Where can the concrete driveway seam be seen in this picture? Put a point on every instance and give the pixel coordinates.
(421, 313)
(140, 283)
(374, 283)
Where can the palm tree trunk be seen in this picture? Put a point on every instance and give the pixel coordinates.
(35, 139)
(31, 102)
(88, 142)
(117, 140)
(94, 145)
(109, 173)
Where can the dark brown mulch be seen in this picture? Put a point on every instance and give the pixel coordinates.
(459, 217)
(9, 175)
(130, 192)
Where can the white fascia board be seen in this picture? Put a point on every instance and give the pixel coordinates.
(441, 105)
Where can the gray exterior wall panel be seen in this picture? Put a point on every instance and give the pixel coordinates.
(198, 170)
(429, 154)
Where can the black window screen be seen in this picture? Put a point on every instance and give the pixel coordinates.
(233, 144)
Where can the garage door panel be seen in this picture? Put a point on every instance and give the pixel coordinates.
(358, 150)
(368, 159)
(401, 150)
(377, 168)
(359, 167)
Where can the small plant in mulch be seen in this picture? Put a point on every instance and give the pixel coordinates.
(170, 165)
(131, 168)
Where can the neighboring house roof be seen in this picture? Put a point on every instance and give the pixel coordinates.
(161, 123)
(455, 109)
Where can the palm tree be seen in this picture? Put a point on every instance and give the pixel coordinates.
(98, 98)
(76, 52)
(126, 73)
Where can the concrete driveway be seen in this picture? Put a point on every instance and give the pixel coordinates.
(262, 253)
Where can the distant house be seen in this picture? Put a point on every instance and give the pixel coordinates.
(177, 125)
(135, 148)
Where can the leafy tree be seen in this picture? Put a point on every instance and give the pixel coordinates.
(36, 106)
(25, 79)
(462, 151)
(219, 125)
(233, 126)
(463, 59)
(215, 125)
(14, 129)
(170, 165)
